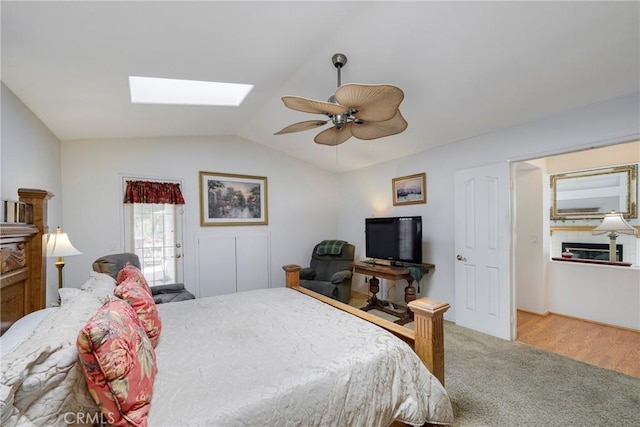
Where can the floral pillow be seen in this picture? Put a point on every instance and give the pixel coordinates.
(130, 270)
(119, 363)
(143, 304)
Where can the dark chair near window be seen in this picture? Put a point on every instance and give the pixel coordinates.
(112, 264)
(330, 270)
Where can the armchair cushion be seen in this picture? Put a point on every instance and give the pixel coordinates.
(173, 292)
(307, 273)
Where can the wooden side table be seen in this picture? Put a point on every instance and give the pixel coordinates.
(389, 273)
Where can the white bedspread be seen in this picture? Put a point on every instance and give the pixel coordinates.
(279, 358)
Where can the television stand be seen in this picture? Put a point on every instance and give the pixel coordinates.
(390, 273)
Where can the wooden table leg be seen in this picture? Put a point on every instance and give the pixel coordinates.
(374, 302)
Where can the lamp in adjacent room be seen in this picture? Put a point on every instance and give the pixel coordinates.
(58, 245)
(613, 225)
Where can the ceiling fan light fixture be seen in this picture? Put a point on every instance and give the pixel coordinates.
(339, 120)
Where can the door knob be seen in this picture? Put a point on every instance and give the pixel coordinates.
(178, 255)
(460, 258)
(178, 245)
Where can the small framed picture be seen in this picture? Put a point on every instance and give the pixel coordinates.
(410, 190)
(231, 199)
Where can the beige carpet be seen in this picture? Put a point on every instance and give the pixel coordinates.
(496, 383)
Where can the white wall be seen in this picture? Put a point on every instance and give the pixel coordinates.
(30, 157)
(368, 190)
(302, 203)
(601, 293)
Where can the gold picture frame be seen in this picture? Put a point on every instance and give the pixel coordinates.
(232, 199)
(410, 189)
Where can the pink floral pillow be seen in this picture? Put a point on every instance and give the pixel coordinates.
(130, 270)
(143, 304)
(119, 363)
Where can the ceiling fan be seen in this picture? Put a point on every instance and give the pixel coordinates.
(362, 111)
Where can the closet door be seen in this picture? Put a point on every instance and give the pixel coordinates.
(252, 262)
(216, 265)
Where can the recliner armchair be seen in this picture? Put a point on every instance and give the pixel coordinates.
(112, 264)
(330, 270)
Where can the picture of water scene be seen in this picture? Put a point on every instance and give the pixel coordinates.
(232, 199)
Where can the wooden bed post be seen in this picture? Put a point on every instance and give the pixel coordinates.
(429, 326)
(292, 275)
(35, 248)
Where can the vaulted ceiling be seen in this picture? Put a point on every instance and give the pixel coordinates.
(466, 68)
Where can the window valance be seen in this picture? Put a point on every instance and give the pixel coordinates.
(153, 192)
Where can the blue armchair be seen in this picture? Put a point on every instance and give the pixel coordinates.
(112, 264)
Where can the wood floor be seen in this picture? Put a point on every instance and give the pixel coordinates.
(605, 346)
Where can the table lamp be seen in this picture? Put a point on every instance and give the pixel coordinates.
(58, 245)
(613, 225)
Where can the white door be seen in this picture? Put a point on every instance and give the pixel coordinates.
(483, 250)
(154, 233)
(216, 258)
(228, 264)
(252, 262)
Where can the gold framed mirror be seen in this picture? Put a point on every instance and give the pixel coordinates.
(593, 193)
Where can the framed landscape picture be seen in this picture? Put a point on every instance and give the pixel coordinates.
(231, 199)
(410, 190)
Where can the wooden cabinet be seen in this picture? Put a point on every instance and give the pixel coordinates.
(232, 263)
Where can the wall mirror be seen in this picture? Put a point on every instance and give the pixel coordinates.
(594, 193)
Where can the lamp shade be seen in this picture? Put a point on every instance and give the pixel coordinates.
(614, 223)
(58, 245)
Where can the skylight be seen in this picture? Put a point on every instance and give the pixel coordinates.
(151, 90)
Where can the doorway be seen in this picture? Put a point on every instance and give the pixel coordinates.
(533, 250)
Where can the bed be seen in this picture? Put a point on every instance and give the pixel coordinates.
(279, 356)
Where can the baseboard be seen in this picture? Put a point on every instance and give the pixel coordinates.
(624, 328)
(546, 313)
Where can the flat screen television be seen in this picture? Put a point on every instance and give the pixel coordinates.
(397, 239)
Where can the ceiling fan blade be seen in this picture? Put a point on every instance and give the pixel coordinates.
(311, 106)
(333, 135)
(374, 130)
(300, 126)
(374, 103)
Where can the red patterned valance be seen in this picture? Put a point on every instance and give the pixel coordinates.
(153, 192)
